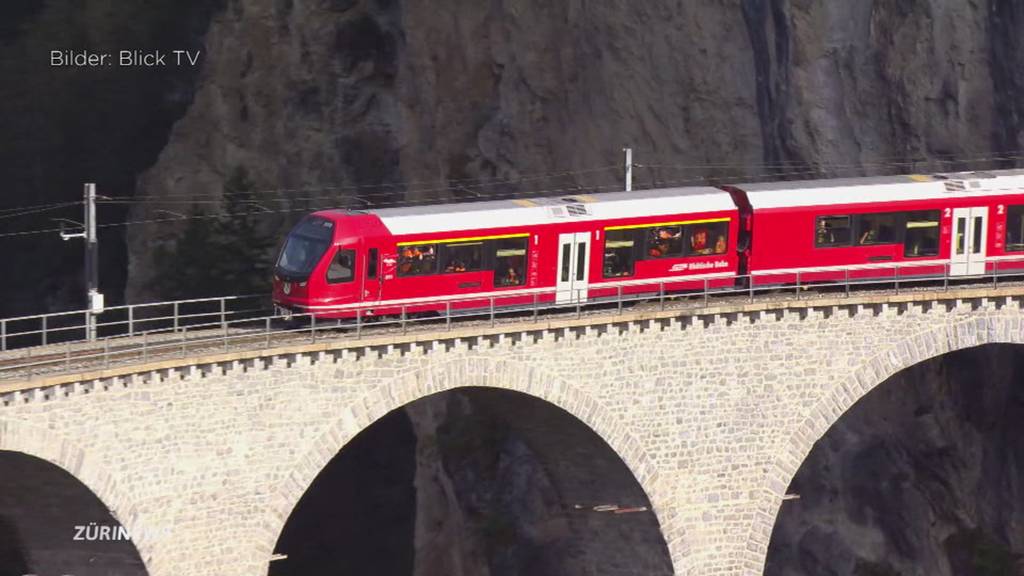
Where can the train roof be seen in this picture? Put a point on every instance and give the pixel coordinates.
(881, 188)
(533, 211)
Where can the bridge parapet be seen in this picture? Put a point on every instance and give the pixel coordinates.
(430, 335)
(169, 329)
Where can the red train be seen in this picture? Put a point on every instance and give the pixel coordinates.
(593, 246)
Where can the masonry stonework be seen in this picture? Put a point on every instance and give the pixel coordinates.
(712, 414)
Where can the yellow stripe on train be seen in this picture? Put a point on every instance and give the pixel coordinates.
(676, 223)
(465, 239)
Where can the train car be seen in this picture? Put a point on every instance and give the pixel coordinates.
(507, 252)
(884, 227)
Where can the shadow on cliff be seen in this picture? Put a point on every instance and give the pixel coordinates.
(44, 513)
(13, 556)
(62, 126)
(922, 477)
(474, 482)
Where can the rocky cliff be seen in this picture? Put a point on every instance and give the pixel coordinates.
(62, 126)
(922, 477)
(315, 96)
(474, 482)
(312, 97)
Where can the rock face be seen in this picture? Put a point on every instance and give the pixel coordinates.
(481, 497)
(62, 126)
(358, 515)
(923, 477)
(307, 94)
(314, 96)
(474, 482)
(856, 83)
(413, 99)
(311, 94)
(506, 485)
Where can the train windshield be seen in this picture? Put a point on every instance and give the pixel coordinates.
(304, 247)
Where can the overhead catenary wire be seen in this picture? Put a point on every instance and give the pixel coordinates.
(449, 184)
(197, 198)
(378, 205)
(677, 182)
(463, 182)
(828, 166)
(404, 202)
(804, 171)
(465, 185)
(30, 232)
(574, 189)
(39, 207)
(434, 185)
(807, 171)
(894, 160)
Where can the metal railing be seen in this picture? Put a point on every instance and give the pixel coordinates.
(128, 320)
(177, 335)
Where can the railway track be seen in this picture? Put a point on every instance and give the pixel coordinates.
(246, 335)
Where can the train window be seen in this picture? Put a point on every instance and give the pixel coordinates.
(707, 239)
(877, 228)
(306, 244)
(922, 235)
(961, 231)
(371, 264)
(417, 259)
(832, 231)
(664, 241)
(979, 223)
(314, 227)
(463, 257)
(581, 260)
(510, 261)
(618, 253)
(1015, 228)
(566, 260)
(341, 267)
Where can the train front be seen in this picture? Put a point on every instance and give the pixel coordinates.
(313, 274)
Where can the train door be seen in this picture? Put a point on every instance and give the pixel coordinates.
(573, 271)
(372, 276)
(970, 234)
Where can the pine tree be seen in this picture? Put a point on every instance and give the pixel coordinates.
(219, 255)
(182, 272)
(245, 257)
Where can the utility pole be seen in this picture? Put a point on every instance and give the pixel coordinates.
(93, 298)
(629, 169)
(92, 263)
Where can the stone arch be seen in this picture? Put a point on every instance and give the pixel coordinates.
(839, 396)
(39, 442)
(482, 372)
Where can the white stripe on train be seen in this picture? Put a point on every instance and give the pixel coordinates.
(640, 282)
(504, 294)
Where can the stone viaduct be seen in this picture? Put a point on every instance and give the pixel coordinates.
(712, 411)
